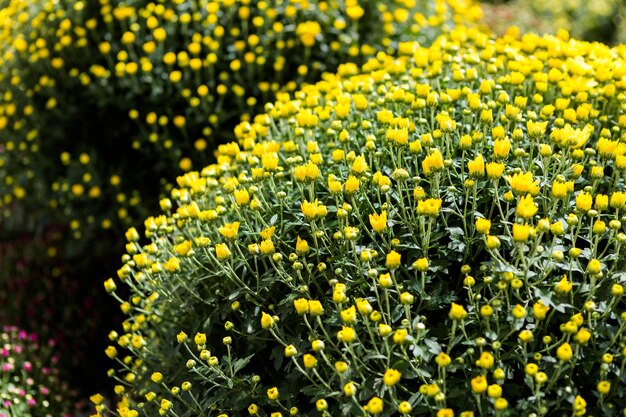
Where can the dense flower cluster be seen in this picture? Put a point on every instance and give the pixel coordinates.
(29, 379)
(100, 101)
(439, 233)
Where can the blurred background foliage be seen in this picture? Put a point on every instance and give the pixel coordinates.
(31, 382)
(591, 20)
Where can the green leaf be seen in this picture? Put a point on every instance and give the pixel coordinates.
(433, 346)
(241, 363)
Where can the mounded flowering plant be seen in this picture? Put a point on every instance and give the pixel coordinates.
(99, 100)
(30, 384)
(439, 233)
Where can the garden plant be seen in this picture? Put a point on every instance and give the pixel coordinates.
(437, 232)
(103, 100)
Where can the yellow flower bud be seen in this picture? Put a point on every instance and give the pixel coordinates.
(374, 406)
(457, 312)
(267, 321)
(443, 360)
(483, 225)
(272, 394)
(309, 361)
(290, 351)
(391, 377)
(222, 251)
(479, 384)
(301, 305)
(393, 260)
(564, 352)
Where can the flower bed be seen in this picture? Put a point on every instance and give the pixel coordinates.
(40, 291)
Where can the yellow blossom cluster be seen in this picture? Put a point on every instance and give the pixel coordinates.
(435, 233)
(101, 101)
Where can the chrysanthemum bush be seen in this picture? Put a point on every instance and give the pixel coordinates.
(30, 383)
(103, 99)
(437, 233)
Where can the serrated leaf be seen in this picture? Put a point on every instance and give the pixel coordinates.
(433, 346)
(457, 246)
(241, 363)
(309, 390)
(455, 232)
(372, 356)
